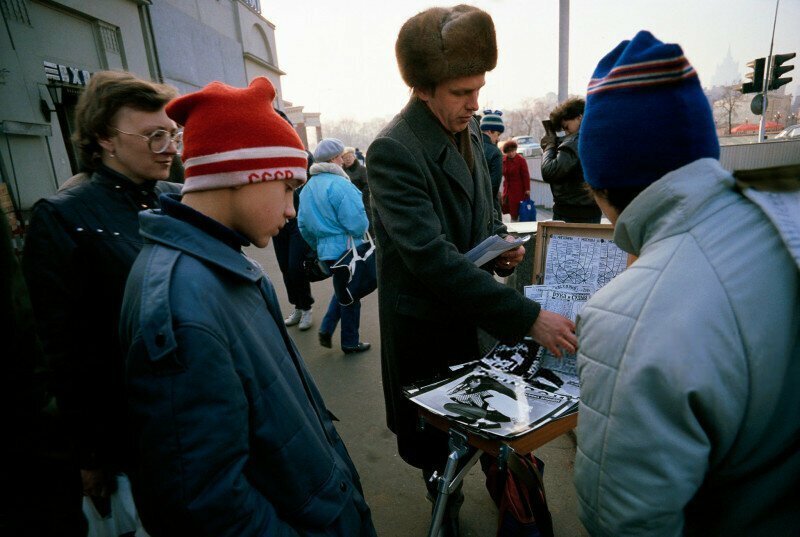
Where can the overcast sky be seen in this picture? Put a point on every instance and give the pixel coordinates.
(339, 56)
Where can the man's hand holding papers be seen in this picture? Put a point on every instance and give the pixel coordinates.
(507, 252)
(511, 258)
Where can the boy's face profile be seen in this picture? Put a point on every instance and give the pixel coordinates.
(260, 210)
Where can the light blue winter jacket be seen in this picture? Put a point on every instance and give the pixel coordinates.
(331, 210)
(689, 365)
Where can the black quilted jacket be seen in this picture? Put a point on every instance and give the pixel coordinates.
(79, 249)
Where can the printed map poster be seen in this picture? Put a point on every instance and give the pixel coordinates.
(582, 261)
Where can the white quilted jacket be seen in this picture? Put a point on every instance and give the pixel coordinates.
(690, 370)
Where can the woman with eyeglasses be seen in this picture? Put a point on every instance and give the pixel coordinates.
(79, 248)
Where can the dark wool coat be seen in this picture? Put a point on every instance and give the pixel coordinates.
(80, 246)
(34, 449)
(494, 159)
(428, 211)
(358, 175)
(23, 394)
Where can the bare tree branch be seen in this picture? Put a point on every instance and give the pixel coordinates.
(726, 101)
(353, 132)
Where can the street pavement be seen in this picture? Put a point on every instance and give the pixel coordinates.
(351, 387)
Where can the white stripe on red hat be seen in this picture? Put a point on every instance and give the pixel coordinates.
(246, 153)
(237, 178)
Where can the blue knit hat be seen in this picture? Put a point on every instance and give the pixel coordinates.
(645, 116)
(327, 149)
(491, 121)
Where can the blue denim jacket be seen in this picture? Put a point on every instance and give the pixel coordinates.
(232, 436)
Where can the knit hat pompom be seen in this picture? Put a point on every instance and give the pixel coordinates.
(491, 121)
(645, 115)
(327, 149)
(441, 44)
(233, 136)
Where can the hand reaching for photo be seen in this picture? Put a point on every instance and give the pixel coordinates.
(555, 333)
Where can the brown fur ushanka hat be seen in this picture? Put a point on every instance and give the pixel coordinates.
(440, 44)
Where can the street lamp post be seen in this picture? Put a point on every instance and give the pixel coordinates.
(763, 123)
(563, 50)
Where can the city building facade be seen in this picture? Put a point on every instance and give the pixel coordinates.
(47, 54)
(51, 48)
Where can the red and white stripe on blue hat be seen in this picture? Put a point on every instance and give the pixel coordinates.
(645, 73)
(647, 94)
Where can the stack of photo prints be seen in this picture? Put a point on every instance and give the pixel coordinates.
(516, 389)
(509, 392)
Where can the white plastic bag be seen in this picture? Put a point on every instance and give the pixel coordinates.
(123, 519)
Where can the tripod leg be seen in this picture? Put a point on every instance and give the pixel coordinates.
(458, 448)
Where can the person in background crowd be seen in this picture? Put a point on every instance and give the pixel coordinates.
(358, 175)
(561, 167)
(360, 156)
(431, 202)
(331, 215)
(79, 248)
(37, 462)
(233, 436)
(517, 179)
(689, 411)
(491, 128)
(290, 250)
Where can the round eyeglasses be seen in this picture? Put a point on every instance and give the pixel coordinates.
(158, 141)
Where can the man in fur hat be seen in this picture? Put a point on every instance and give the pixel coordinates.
(432, 202)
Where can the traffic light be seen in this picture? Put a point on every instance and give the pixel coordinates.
(757, 76)
(775, 80)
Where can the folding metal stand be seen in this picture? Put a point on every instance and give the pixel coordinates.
(461, 444)
(449, 482)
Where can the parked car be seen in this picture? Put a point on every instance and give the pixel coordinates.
(527, 146)
(792, 131)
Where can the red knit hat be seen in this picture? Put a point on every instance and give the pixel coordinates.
(233, 136)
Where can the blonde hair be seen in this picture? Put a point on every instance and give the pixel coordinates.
(348, 150)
